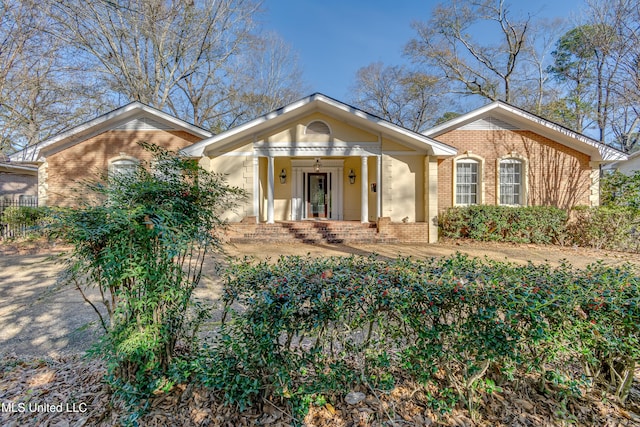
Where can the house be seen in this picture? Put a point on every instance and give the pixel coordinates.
(18, 182)
(320, 158)
(627, 167)
(508, 156)
(106, 143)
(319, 166)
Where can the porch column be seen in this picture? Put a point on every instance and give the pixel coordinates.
(364, 197)
(270, 177)
(379, 186)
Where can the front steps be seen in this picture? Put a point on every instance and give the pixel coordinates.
(310, 231)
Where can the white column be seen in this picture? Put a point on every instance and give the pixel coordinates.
(256, 187)
(364, 197)
(270, 189)
(379, 186)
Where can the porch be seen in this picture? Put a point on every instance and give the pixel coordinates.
(327, 232)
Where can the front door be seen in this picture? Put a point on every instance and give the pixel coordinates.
(317, 195)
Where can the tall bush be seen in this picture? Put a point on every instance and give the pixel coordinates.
(143, 247)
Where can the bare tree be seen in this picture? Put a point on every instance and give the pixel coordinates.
(37, 96)
(407, 98)
(265, 76)
(446, 43)
(169, 54)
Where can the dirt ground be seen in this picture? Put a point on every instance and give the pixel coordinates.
(41, 317)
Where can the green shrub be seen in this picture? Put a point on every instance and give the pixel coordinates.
(22, 215)
(143, 247)
(311, 327)
(533, 224)
(620, 190)
(606, 227)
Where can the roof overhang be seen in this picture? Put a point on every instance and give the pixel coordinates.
(102, 124)
(598, 151)
(326, 105)
(18, 169)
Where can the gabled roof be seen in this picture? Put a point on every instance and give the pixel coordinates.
(501, 112)
(133, 116)
(324, 104)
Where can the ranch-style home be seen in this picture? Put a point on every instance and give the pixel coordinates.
(322, 170)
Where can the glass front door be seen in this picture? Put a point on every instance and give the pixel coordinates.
(317, 195)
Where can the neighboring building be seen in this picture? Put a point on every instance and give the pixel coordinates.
(321, 159)
(18, 182)
(627, 167)
(108, 142)
(507, 156)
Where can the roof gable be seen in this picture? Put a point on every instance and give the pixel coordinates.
(133, 116)
(501, 116)
(330, 107)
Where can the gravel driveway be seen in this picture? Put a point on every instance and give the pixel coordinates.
(40, 317)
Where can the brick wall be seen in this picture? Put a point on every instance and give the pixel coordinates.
(65, 170)
(321, 232)
(557, 175)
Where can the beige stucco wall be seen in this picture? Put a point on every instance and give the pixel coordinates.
(403, 187)
(402, 176)
(352, 192)
(295, 131)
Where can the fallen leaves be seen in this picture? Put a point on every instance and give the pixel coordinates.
(74, 381)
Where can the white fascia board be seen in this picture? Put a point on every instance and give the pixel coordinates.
(329, 106)
(590, 146)
(104, 122)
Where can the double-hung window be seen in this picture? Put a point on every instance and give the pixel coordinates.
(467, 183)
(511, 188)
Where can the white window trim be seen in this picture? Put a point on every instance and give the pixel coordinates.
(122, 158)
(524, 177)
(480, 161)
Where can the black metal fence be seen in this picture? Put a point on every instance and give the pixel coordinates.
(16, 223)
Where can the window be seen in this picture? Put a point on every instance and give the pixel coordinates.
(511, 189)
(317, 128)
(467, 182)
(122, 167)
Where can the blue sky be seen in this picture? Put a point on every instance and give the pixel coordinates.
(334, 38)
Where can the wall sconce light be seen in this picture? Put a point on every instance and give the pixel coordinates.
(317, 165)
(283, 176)
(352, 177)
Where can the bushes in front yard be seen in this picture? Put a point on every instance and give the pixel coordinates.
(603, 227)
(143, 248)
(532, 224)
(305, 329)
(606, 227)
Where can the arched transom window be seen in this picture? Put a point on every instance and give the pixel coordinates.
(123, 166)
(317, 127)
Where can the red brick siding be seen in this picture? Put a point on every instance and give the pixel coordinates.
(88, 159)
(557, 174)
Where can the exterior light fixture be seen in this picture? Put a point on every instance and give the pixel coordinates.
(352, 177)
(317, 165)
(283, 176)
